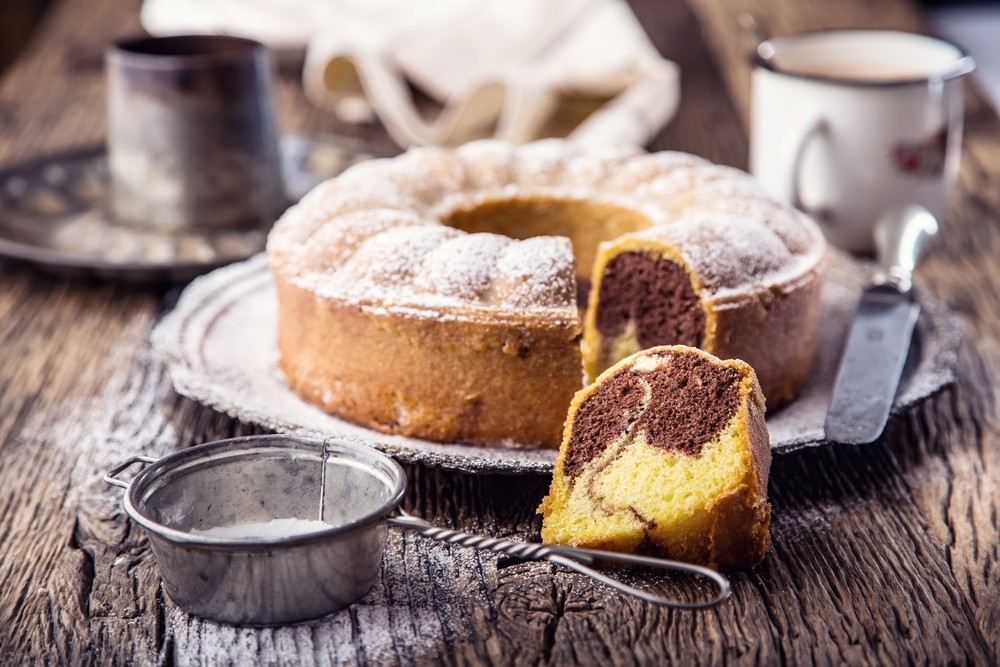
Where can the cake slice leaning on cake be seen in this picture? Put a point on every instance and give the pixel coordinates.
(666, 453)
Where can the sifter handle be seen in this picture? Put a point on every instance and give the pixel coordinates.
(575, 559)
(114, 481)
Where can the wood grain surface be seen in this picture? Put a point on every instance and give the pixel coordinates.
(885, 554)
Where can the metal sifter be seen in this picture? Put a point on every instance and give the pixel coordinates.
(314, 515)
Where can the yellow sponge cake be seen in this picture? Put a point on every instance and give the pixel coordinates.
(666, 453)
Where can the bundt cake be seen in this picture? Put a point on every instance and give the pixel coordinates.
(666, 453)
(435, 294)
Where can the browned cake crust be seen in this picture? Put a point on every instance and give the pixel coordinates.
(452, 380)
(776, 334)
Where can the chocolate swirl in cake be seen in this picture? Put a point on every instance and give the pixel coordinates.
(690, 401)
(698, 396)
(655, 293)
(604, 415)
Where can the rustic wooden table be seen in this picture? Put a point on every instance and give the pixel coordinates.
(883, 555)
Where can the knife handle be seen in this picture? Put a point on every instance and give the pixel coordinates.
(901, 235)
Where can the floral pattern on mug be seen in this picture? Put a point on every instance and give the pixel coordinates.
(921, 158)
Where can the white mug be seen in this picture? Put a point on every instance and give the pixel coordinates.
(847, 124)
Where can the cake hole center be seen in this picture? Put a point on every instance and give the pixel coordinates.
(585, 223)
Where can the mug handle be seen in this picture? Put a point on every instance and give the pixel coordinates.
(818, 129)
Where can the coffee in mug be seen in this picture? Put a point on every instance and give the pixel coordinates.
(847, 124)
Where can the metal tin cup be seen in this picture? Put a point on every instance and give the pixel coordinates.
(192, 140)
(210, 512)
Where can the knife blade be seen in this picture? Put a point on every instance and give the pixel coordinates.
(880, 336)
(872, 365)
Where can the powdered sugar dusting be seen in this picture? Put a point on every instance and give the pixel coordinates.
(591, 170)
(287, 231)
(488, 164)
(373, 235)
(631, 175)
(724, 249)
(421, 174)
(536, 272)
(686, 186)
(255, 529)
(386, 263)
(543, 163)
(462, 267)
(428, 173)
(347, 199)
(334, 243)
(801, 238)
(328, 202)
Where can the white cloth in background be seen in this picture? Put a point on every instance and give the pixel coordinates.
(498, 68)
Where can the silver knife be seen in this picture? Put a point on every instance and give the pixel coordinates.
(879, 340)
